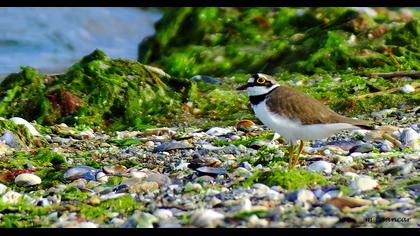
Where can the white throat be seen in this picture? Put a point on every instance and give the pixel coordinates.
(260, 90)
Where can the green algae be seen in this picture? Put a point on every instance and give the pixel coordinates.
(288, 179)
(96, 91)
(220, 41)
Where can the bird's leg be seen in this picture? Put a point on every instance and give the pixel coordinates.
(299, 152)
(291, 152)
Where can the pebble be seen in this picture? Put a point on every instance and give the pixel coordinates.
(101, 177)
(409, 139)
(407, 89)
(115, 169)
(211, 170)
(386, 146)
(303, 196)
(194, 187)
(363, 183)
(403, 169)
(331, 194)
(173, 145)
(3, 188)
(342, 202)
(344, 159)
(206, 218)
(217, 131)
(29, 126)
(26, 180)
(327, 221)
(163, 214)
(320, 166)
(363, 148)
(86, 134)
(85, 172)
(11, 197)
(9, 139)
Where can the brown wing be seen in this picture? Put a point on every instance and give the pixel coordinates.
(298, 106)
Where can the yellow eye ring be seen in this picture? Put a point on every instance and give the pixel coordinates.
(260, 80)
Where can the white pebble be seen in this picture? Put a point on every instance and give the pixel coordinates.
(320, 166)
(101, 177)
(409, 139)
(21, 121)
(3, 188)
(27, 180)
(407, 89)
(11, 197)
(196, 187)
(363, 183)
(163, 214)
(207, 218)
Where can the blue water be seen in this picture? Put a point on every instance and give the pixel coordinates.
(51, 39)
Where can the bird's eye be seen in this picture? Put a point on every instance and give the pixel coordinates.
(261, 80)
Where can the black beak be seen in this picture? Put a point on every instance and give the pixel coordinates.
(243, 87)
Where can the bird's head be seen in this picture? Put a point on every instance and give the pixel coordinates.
(259, 84)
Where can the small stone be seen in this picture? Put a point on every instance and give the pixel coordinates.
(160, 131)
(409, 139)
(173, 145)
(363, 183)
(327, 221)
(245, 204)
(26, 180)
(143, 187)
(216, 131)
(331, 194)
(206, 218)
(115, 169)
(407, 89)
(140, 220)
(211, 170)
(29, 126)
(303, 196)
(10, 139)
(345, 159)
(195, 187)
(101, 177)
(86, 134)
(3, 188)
(163, 214)
(81, 172)
(342, 202)
(386, 146)
(149, 144)
(11, 197)
(363, 148)
(320, 166)
(138, 175)
(240, 171)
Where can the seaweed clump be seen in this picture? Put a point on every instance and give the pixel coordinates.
(220, 41)
(96, 91)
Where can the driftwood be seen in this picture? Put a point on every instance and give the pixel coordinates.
(390, 75)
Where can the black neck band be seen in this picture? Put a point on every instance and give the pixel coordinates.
(255, 100)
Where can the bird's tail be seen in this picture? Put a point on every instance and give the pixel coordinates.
(363, 124)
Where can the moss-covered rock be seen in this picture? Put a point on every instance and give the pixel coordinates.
(96, 91)
(17, 136)
(220, 41)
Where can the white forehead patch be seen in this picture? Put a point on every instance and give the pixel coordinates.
(251, 80)
(261, 76)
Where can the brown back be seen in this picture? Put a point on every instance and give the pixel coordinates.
(296, 105)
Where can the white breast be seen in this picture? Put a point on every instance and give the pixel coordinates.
(293, 130)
